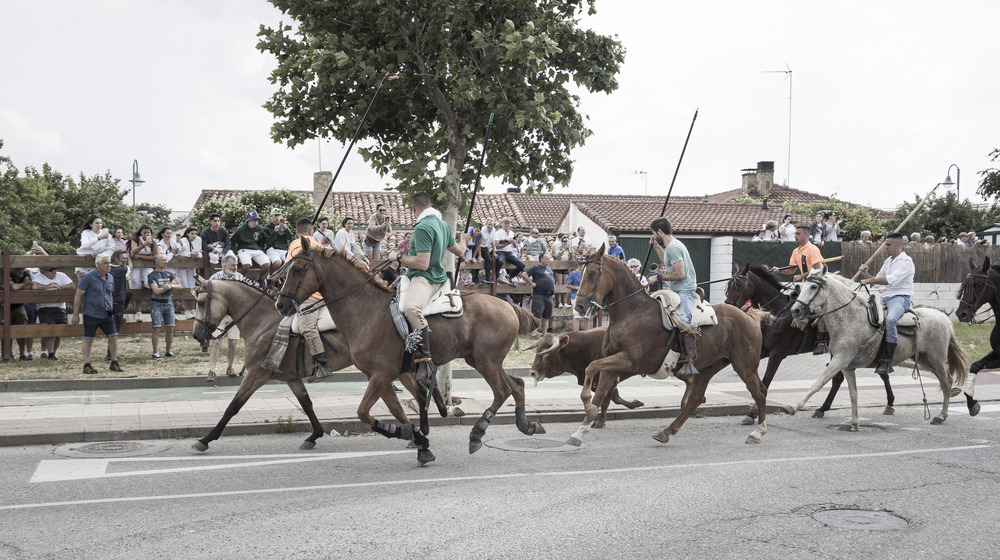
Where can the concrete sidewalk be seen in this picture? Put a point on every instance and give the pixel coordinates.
(118, 409)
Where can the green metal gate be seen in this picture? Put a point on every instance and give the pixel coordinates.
(699, 248)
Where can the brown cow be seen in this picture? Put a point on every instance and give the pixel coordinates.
(572, 353)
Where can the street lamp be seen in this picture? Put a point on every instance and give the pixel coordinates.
(645, 179)
(136, 181)
(958, 181)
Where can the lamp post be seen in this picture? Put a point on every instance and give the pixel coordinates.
(958, 181)
(136, 181)
(645, 179)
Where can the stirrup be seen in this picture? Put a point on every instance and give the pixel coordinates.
(427, 371)
(820, 348)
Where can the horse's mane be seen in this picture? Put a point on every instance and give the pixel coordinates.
(357, 262)
(770, 278)
(249, 284)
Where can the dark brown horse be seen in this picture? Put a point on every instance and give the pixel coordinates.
(637, 343)
(762, 288)
(981, 286)
(483, 336)
(255, 316)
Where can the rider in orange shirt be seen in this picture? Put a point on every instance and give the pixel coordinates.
(808, 255)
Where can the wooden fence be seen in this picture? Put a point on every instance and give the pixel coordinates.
(66, 263)
(935, 264)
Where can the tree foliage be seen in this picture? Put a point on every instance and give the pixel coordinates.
(856, 218)
(989, 185)
(50, 208)
(457, 61)
(234, 211)
(944, 216)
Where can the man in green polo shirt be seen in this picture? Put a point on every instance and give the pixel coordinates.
(432, 238)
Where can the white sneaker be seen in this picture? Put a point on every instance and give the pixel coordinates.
(138, 316)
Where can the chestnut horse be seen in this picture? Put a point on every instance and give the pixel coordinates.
(762, 288)
(637, 343)
(254, 314)
(483, 336)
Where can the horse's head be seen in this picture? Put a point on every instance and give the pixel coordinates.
(978, 288)
(302, 278)
(595, 285)
(740, 289)
(209, 311)
(810, 295)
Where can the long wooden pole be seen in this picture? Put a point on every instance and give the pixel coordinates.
(663, 211)
(897, 230)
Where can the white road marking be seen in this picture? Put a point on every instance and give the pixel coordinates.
(453, 478)
(54, 470)
(233, 392)
(67, 397)
(982, 408)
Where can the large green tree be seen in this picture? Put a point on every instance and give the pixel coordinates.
(944, 216)
(233, 211)
(989, 185)
(457, 61)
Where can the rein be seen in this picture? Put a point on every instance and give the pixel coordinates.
(823, 314)
(211, 328)
(309, 259)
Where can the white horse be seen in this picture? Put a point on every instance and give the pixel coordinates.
(932, 346)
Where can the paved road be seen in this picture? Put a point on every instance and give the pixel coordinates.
(704, 494)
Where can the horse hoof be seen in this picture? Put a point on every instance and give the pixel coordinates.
(753, 439)
(475, 446)
(199, 446)
(424, 456)
(635, 404)
(661, 437)
(937, 420)
(538, 428)
(597, 425)
(575, 441)
(747, 421)
(889, 411)
(818, 414)
(956, 391)
(307, 445)
(974, 409)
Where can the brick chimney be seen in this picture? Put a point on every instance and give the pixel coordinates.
(321, 181)
(758, 182)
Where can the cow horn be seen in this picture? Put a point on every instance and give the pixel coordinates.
(532, 345)
(199, 281)
(555, 344)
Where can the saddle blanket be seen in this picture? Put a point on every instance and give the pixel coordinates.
(445, 301)
(876, 314)
(323, 324)
(702, 314)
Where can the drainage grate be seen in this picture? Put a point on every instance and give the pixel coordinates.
(860, 519)
(862, 427)
(112, 449)
(531, 445)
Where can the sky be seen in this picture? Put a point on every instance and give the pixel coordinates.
(885, 97)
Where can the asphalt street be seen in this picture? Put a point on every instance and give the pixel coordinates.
(898, 488)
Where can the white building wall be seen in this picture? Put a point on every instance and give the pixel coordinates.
(722, 268)
(575, 218)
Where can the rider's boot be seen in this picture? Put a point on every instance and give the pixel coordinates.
(425, 365)
(885, 364)
(320, 370)
(822, 338)
(688, 356)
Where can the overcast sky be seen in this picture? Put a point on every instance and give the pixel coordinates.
(886, 96)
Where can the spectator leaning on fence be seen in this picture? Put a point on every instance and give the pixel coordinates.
(614, 249)
(48, 278)
(20, 279)
(161, 304)
(324, 234)
(94, 240)
(534, 246)
(249, 242)
(379, 225)
(866, 238)
(94, 292)
(279, 236)
(190, 245)
(215, 239)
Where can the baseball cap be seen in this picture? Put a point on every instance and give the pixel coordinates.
(276, 212)
(252, 215)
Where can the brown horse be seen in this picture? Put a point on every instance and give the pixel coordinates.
(255, 316)
(483, 336)
(636, 342)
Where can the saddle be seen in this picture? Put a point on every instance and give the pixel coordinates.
(323, 323)
(877, 311)
(446, 302)
(702, 314)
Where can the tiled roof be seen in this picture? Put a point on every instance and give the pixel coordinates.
(614, 213)
(222, 195)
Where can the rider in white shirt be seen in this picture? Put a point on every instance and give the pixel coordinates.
(897, 273)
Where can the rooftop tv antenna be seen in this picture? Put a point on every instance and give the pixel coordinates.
(788, 73)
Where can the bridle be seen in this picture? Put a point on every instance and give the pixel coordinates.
(600, 271)
(978, 301)
(819, 284)
(742, 281)
(210, 327)
(310, 263)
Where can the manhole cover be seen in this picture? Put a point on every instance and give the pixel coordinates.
(863, 426)
(112, 449)
(860, 519)
(531, 444)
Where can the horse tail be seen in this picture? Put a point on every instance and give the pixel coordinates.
(763, 318)
(958, 363)
(526, 322)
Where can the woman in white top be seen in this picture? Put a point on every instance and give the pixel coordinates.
(142, 250)
(786, 230)
(94, 240)
(832, 226)
(324, 234)
(190, 246)
(166, 245)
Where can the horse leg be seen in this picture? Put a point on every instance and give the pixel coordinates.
(299, 390)
(694, 396)
(617, 399)
(989, 360)
(890, 398)
(495, 377)
(852, 388)
(759, 392)
(602, 398)
(516, 385)
(828, 403)
(599, 369)
(378, 384)
(255, 378)
(835, 366)
(773, 361)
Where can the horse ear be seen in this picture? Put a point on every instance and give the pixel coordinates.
(198, 280)
(986, 264)
(602, 250)
(746, 268)
(972, 263)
